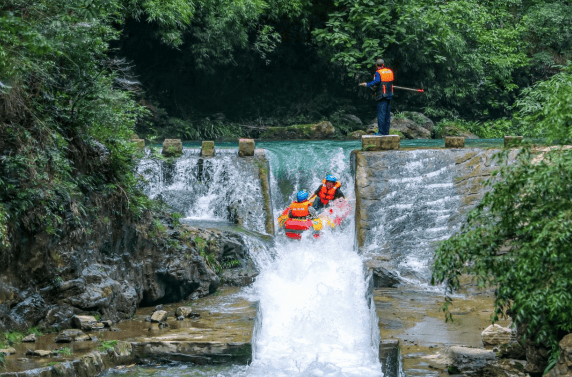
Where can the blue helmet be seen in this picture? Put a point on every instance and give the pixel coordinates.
(331, 178)
(302, 195)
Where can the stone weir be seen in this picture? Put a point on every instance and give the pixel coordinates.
(223, 187)
(409, 200)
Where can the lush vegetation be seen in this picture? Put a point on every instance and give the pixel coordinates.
(518, 238)
(296, 63)
(78, 77)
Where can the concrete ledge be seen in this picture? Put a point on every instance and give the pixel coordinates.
(379, 143)
(172, 148)
(454, 142)
(207, 149)
(389, 356)
(513, 141)
(245, 147)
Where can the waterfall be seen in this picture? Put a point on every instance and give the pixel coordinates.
(418, 208)
(209, 189)
(316, 315)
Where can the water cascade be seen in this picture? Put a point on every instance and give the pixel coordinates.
(418, 202)
(210, 189)
(316, 316)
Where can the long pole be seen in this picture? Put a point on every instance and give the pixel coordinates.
(410, 89)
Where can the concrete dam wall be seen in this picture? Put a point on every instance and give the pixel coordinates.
(409, 200)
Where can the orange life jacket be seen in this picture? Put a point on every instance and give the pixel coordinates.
(385, 88)
(327, 195)
(300, 209)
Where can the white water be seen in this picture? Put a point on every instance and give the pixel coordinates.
(205, 192)
(316, 315)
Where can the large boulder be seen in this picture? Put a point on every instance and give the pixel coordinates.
(28, 312)
(322, 130)
(453, 130)
(471, 361)
(410, 129)
(356, 134)
(420, 120)
(495, 335)
(353, 121)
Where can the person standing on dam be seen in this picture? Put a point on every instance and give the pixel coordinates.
(383, 92)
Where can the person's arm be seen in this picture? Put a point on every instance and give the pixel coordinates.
(318, 191)
(376, 81)
(339, 194)
(312, 211)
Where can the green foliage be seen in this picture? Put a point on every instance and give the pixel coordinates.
(67, 123)
(64, 351)
(517, 240)
(35, 330)
(107, 344)
(12, 337)
(471, 56)
(2, 359)
(546, 105)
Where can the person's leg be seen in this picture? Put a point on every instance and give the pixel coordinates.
(317, 204)
(379, 118)
(387, 119)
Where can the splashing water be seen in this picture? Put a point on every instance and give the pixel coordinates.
(206, 189)
(316, 315)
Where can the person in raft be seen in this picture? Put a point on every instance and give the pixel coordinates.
(328, 191)
(302, 207)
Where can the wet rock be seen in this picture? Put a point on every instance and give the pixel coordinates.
(107, 324)
(357, 134)
(180, 318)
(59, 316)
(512, 351)
(471, 360)
(28, 312)
(563, 367)
(410, 129)
(505, 368)
(84, 322)
(148, 318)
(7, 351)
(383, 275)
(322, 130)
(184, 311)
(29, 339)
(159, 308)
(159, 316)
(163, 325)
(71, 335)
(9, 295)
(495, 335)
(38, 353)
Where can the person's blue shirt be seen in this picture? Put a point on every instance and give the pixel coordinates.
(377, 81)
